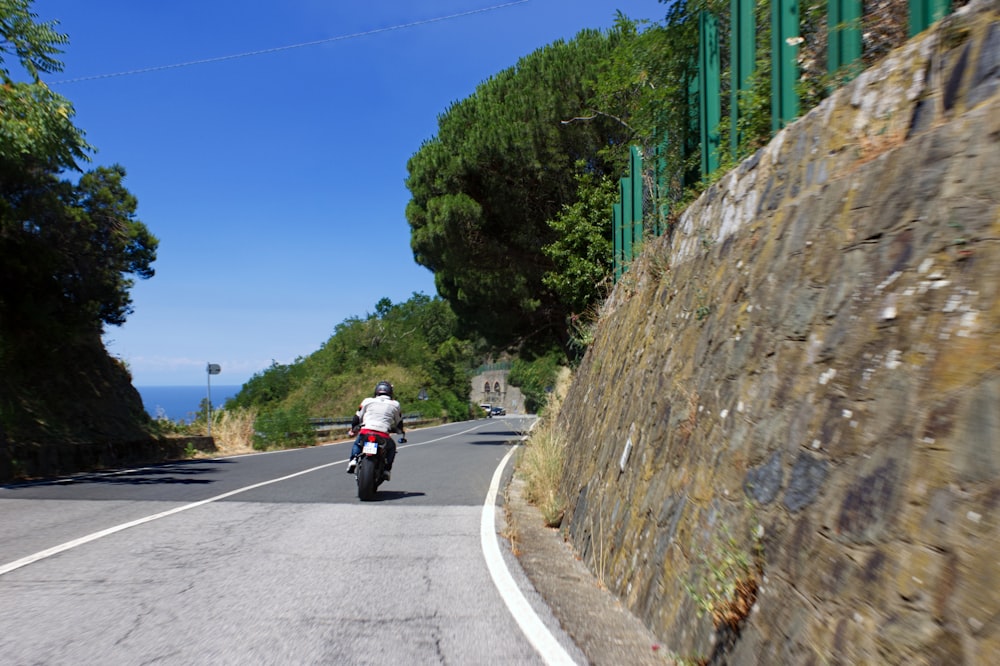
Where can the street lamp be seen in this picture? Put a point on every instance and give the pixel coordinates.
(212, 369)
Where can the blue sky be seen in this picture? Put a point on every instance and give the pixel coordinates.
(275, 179)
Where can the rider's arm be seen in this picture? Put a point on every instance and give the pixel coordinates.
(356, 419)
(399, 426)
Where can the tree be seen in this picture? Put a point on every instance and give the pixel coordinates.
(505, 161)
(581, 255)
(68, 249)
(36, 124)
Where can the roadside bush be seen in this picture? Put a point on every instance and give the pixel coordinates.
(233, 430)
(536, 378)
(541, 466)
(541, 461)
(283, 428)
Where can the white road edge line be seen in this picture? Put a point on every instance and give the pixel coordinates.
(531, 625)
(63, 547)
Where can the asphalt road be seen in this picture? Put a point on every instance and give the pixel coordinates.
(272, 559)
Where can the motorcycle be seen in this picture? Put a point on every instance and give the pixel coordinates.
(370, 468)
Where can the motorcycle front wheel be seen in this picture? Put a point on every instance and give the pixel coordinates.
(367, 483)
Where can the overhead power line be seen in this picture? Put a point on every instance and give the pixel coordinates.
(289, 47)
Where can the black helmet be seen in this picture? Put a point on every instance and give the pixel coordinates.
(383, 388)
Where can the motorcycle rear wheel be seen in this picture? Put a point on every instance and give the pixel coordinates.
(367, 483)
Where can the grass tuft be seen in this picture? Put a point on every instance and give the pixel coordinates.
(541, 462)
(541, 466)
(232, 430)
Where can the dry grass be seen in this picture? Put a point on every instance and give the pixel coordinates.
(510, 530)
(541, 466)
(541, 462)
(232, 430)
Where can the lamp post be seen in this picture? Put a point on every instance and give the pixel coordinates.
(212, 369)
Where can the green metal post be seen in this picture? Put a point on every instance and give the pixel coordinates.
(843, 21)
(709, 91)
(626, 195)
(785, 70)
(619, 243)
(662, 180)
(742, 47)
(925, 13)
(662, 187)
(635, 171)
(690, 141)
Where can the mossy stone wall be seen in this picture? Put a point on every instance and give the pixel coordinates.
(790, 416)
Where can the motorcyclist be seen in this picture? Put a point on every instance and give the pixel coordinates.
(379, 416)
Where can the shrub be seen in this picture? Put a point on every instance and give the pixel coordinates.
(283, 428)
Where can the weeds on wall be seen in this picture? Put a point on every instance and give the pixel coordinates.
(727, 577)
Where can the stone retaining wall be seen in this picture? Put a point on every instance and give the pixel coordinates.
(786, 435)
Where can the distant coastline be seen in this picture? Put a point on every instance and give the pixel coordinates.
(181, 403)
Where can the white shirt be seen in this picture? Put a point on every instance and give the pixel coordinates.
(381, 414)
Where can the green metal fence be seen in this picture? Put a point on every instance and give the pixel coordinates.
(627, 214)
(843, 54)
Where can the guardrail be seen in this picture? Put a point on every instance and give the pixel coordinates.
(330, 422)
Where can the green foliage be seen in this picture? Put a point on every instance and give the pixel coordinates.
(536, 377)
(68, 248)
(581, 255)
(34, 44)
(501, 166)
(283, 427)
(266, 388)
(35, 123)
(411, 344)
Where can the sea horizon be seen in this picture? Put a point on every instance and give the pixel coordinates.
(181, 403)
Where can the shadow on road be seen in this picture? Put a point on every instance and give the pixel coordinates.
(389, 495)
(489, 442)
(180, 472)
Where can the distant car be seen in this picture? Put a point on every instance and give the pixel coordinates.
(498, 411)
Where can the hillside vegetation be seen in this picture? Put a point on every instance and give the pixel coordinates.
(414, 345)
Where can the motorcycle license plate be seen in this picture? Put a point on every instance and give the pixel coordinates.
(370, 448)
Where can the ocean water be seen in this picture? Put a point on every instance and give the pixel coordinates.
(180, 403)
